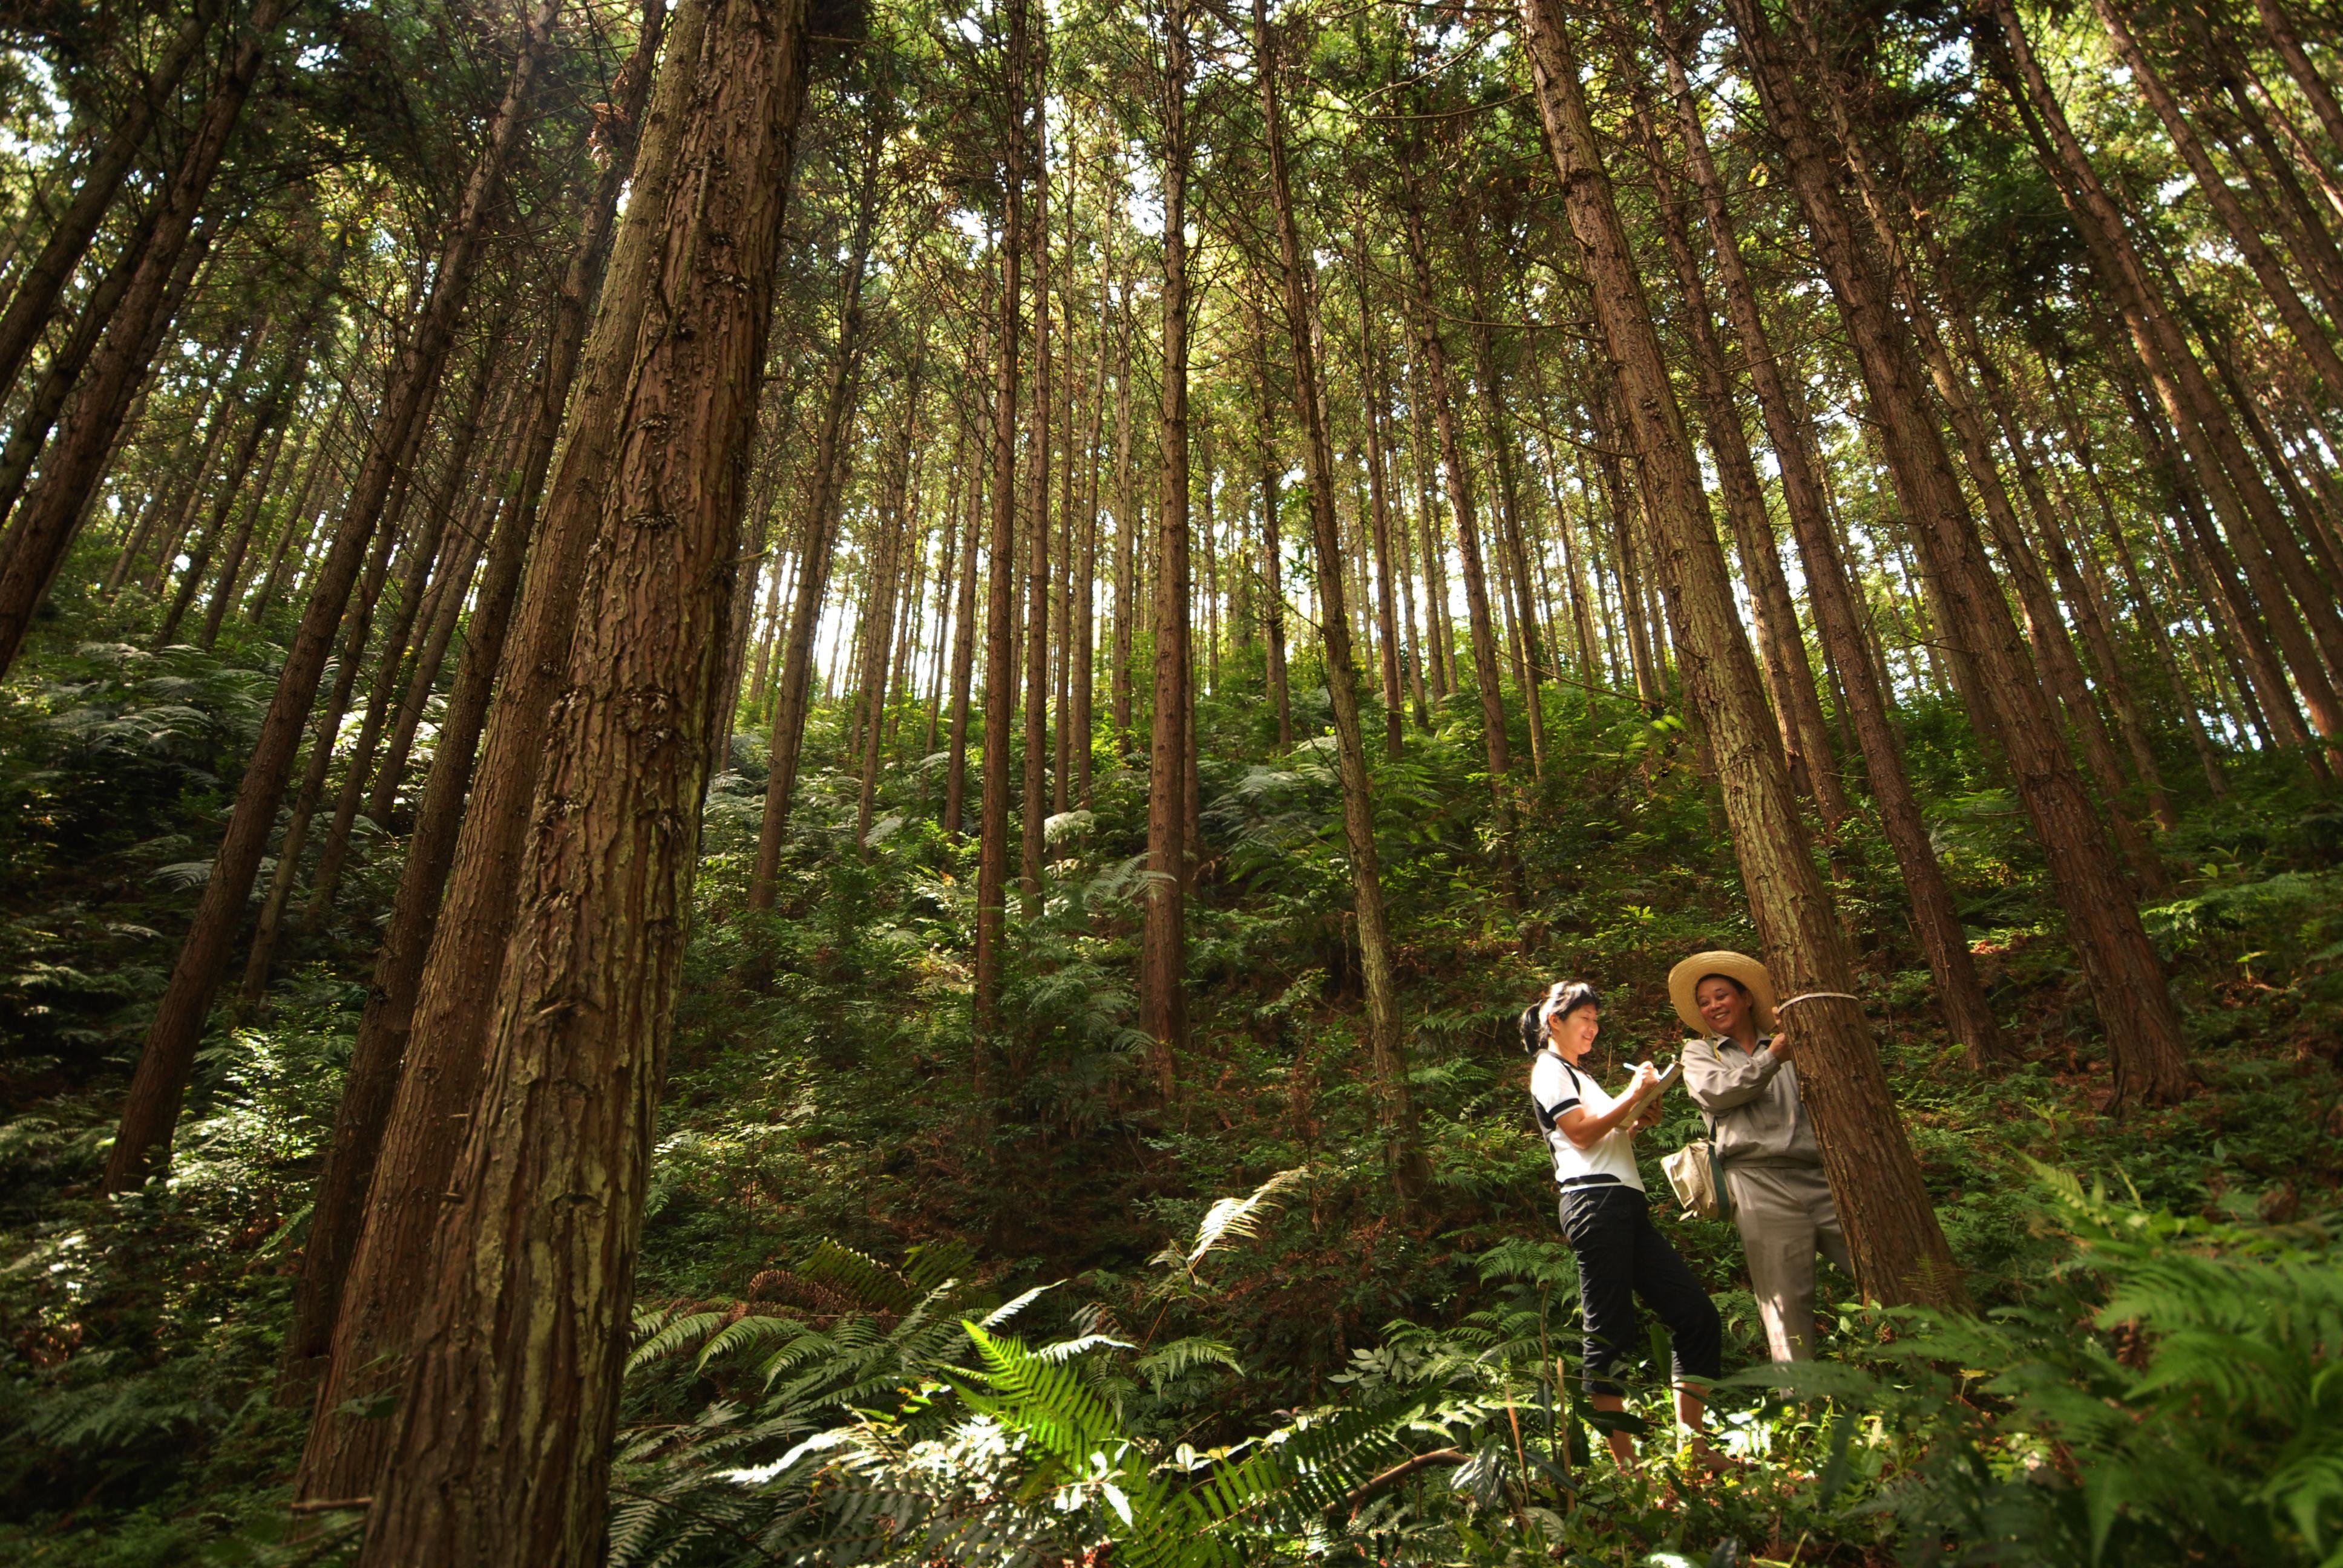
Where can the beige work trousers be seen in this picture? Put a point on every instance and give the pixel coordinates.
(1787, 1216)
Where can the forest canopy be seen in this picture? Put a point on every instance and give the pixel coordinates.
(780, 781)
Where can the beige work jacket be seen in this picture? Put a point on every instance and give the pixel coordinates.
(1754, 1099)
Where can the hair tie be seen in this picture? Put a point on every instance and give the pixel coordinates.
(1782, 1007)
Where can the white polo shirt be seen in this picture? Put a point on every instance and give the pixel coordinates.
(1555, 1086)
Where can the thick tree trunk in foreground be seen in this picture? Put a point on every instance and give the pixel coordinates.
(2126, 978)
(408, 1094)
(1163, 952)
(1396, 1109)
(1838, 615)
(501, 1451)
(1900, 1254)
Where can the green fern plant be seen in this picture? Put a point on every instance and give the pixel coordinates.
(2177, 1399)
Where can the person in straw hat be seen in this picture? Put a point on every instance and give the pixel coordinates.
(1738, 1069)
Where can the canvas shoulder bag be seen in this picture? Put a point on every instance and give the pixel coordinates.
(1695, 1174)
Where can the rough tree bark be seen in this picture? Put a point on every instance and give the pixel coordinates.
(501, 1445)
(416, 1064)
(1164, 950)
(1395, 1108)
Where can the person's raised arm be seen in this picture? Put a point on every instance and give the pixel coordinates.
(1585, 1129)
(1717, 1082)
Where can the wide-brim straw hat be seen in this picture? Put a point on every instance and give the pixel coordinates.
(1686, 978)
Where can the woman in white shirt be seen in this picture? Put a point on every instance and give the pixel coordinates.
(1621, 1253)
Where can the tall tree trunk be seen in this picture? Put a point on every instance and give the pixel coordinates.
(1900, 1253)
(1789, 679)
(2126, 978)
(324, 730)
(2280, 30)
(1126, 529)
(432, 1087)
(300, 523)
(817, 539)
(2277, 288)
(501, 1442)
(2148, 617)
(1034, 798)
(1084, 651)
(1513, 571)
(451, 588)
(1422, 450)
(892, 569)
(2059, 666)
(1000, 593)
(44, 530)
(1379, 503)
(963, 652)
(1437, 385)
(1163, 952)
(1396, 1109)
(63, 368)
(1273, 542)
(427, 556)
(2217, 459)
(230, 577)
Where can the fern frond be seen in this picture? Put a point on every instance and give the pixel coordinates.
(1231, 1219)
(873, 1282)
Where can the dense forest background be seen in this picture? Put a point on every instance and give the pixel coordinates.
(775, 776)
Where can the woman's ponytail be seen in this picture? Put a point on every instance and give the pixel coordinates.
(1533, 1032)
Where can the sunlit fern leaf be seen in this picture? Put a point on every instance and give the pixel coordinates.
(751, 1332)
(929, 1265)
(1177, 1359)
(1231, 1220)
(661, 1336)
(868, 1281)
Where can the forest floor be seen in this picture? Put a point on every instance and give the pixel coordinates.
(795, 1402)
